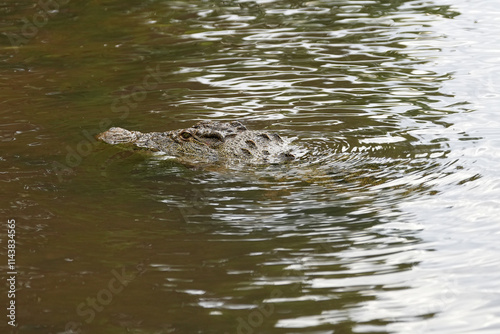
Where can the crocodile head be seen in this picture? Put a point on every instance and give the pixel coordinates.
(206, 141)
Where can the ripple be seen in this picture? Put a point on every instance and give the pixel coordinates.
(385, 222)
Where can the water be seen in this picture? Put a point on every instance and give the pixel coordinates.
(386, 224)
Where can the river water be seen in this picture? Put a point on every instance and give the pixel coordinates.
(387, 223)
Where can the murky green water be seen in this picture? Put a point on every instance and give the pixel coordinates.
(387, 224)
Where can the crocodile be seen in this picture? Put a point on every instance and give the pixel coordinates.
(209, 142)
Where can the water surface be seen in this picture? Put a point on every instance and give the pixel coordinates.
(386, 224)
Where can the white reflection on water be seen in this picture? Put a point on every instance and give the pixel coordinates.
(435, 95)
(387, 221)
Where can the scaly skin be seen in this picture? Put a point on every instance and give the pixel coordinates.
(208, 142)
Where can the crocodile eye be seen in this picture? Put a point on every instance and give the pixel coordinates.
(185, 135)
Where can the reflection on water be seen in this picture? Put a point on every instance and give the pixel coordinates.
(386, 223)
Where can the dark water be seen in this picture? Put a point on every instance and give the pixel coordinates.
(387, 224)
